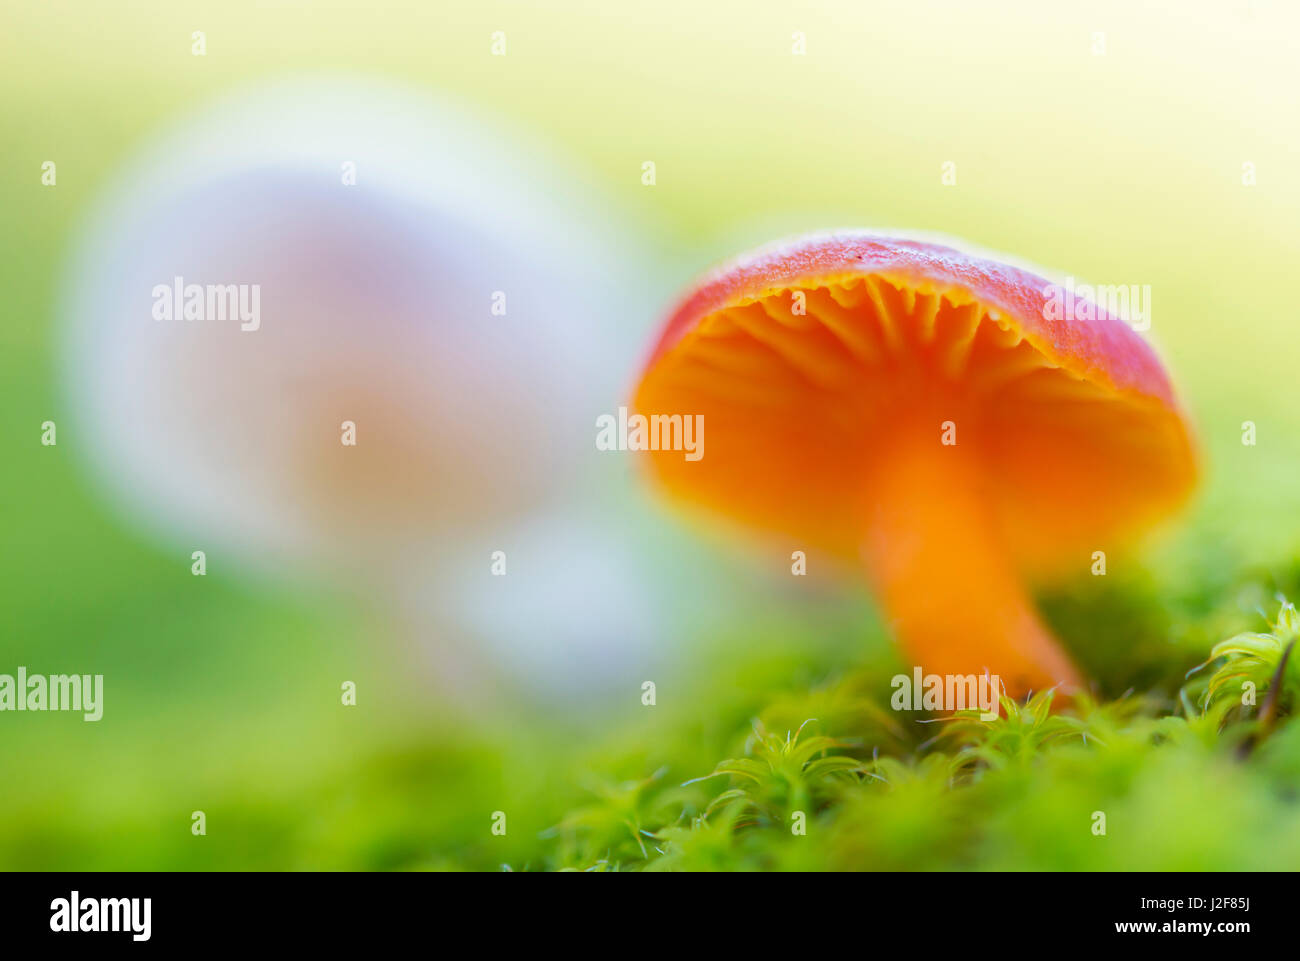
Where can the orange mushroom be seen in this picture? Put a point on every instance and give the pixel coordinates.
(925, 414)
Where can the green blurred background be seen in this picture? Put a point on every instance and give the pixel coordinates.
(1121, 168)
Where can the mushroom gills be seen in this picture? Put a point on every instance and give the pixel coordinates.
(802, 386)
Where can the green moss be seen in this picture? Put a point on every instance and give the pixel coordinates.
(1138, 782)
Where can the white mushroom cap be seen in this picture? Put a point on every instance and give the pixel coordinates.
(375, 308)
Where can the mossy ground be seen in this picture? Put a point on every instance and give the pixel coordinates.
(780, 714)
(1163, 767)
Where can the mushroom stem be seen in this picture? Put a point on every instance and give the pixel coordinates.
(947, 584)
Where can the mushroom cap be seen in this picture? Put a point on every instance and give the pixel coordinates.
(1073, 423)
(376, 308)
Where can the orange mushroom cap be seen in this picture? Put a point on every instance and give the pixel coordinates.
(927, 414)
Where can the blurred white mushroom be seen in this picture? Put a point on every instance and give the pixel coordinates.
(376, 308)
